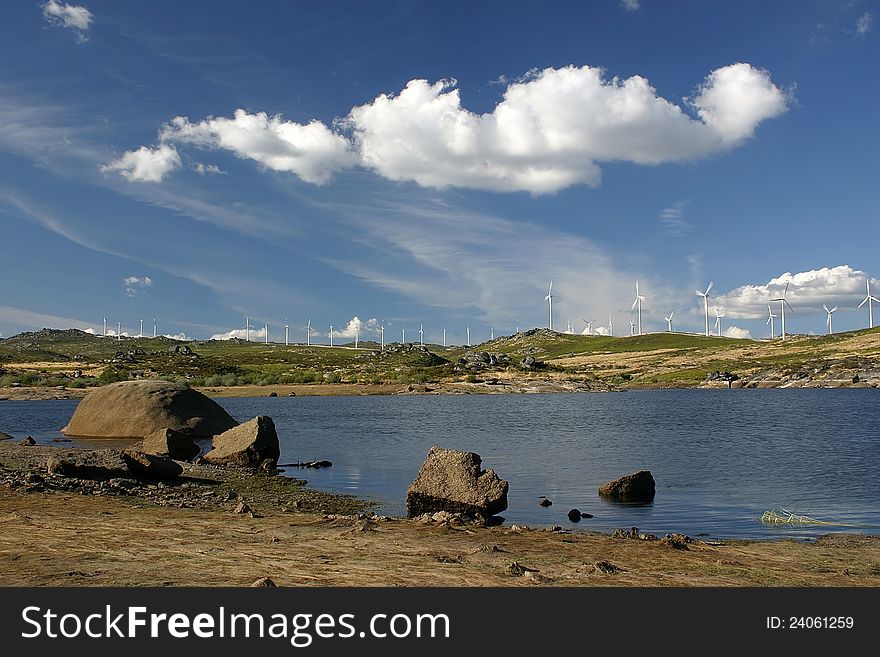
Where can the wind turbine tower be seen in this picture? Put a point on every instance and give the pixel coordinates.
(247, 329)
(782, 304)
(632, 327)
(105, 327)
(869, 300)
(718, 317)
(382, 338)
(421, 335)
(141, 334)
(444, 337)
(549, 300)
(331, 335)
(286, 333)
(267, 334)
(770, 319)
(705, 296)
(309, 333)
(638, 304)
(669, 321)
(830, 313)
(154, 327)
(118, 331)
(610, 325)
(468, 336)
(357, 335)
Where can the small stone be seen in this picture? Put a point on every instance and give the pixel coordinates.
(242, 508)
(28, 442)
(263, 583)
(574, 515)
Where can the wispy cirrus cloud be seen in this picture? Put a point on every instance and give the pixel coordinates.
(865, 23)
(672, 219)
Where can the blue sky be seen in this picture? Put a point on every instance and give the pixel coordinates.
(436, 164)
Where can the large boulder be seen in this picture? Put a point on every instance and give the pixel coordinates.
(248, 444)
(453, 481)
(170, 443)
(636, 487)
(134, 409)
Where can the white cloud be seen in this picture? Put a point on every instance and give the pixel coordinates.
(134, 283)
(550, 131)
(34, 320)
(207, 169)
(145, 164)
(312, 151)
(630, 5)
(357, 326)
(73, 17)
(865, 23)
(737, 332)
(841, 285)
(177, 336)
(255, 334)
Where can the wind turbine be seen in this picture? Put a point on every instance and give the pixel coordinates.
(154, 327)
(491, 332)
(357, 335)
(638, 303)
(105, 327)
(830, 313)
(118, 331)
(247, 329)
(421, 335)
(632, 327)
(589, 324)
(141, 334)
(382, 337)
(669, 321)
(868, 300)
(770, 319)
(309, 333)
(468, 336)
(286, 333)
(267, 334)
(331, 335)
(705, 296)
(782, 304)
(403, 334)
(718, 317)
(444, 337)
(549, 300)
(610, 325)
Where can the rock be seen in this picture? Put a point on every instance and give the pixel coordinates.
(291, 394)
(676, 541)
(574, 515)
(636, 487)
(248, 444)
(27, 441)
(150, 465)
(170, 443)
(605, 567)
(273, 394)
(5, 436)
(134, 409)
(100, 464)
(263, 582)
(452, 481)
(544, 502)
(243, 508)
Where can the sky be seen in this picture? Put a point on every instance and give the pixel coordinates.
(436, 165)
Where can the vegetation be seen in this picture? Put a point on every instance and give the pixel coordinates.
(76, 359)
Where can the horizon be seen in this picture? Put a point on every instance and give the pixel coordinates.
(436, 165)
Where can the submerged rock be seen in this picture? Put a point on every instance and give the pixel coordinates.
(453, 481)
(636, 487)
(134, 409)
(248, 444)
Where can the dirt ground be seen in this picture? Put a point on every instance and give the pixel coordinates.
(69, 539)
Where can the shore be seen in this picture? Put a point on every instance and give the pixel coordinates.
(195, 533)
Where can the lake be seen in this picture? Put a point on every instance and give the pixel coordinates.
(720, 457)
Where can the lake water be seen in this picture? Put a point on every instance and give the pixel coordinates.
(720, 457)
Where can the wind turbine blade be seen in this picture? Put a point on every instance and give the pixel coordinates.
(634, 304)
(711, 283)
(769, 319)
(785, 291)
(863, 302)
(700, 294)
(826, 308)
(789, 306)
(672, 314)
(550, 291)
(833, 309)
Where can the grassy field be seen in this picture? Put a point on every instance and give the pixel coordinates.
(76, 359)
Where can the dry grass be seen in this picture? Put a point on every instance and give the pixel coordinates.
(109, 542)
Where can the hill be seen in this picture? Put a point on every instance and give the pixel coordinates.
(74, 358)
